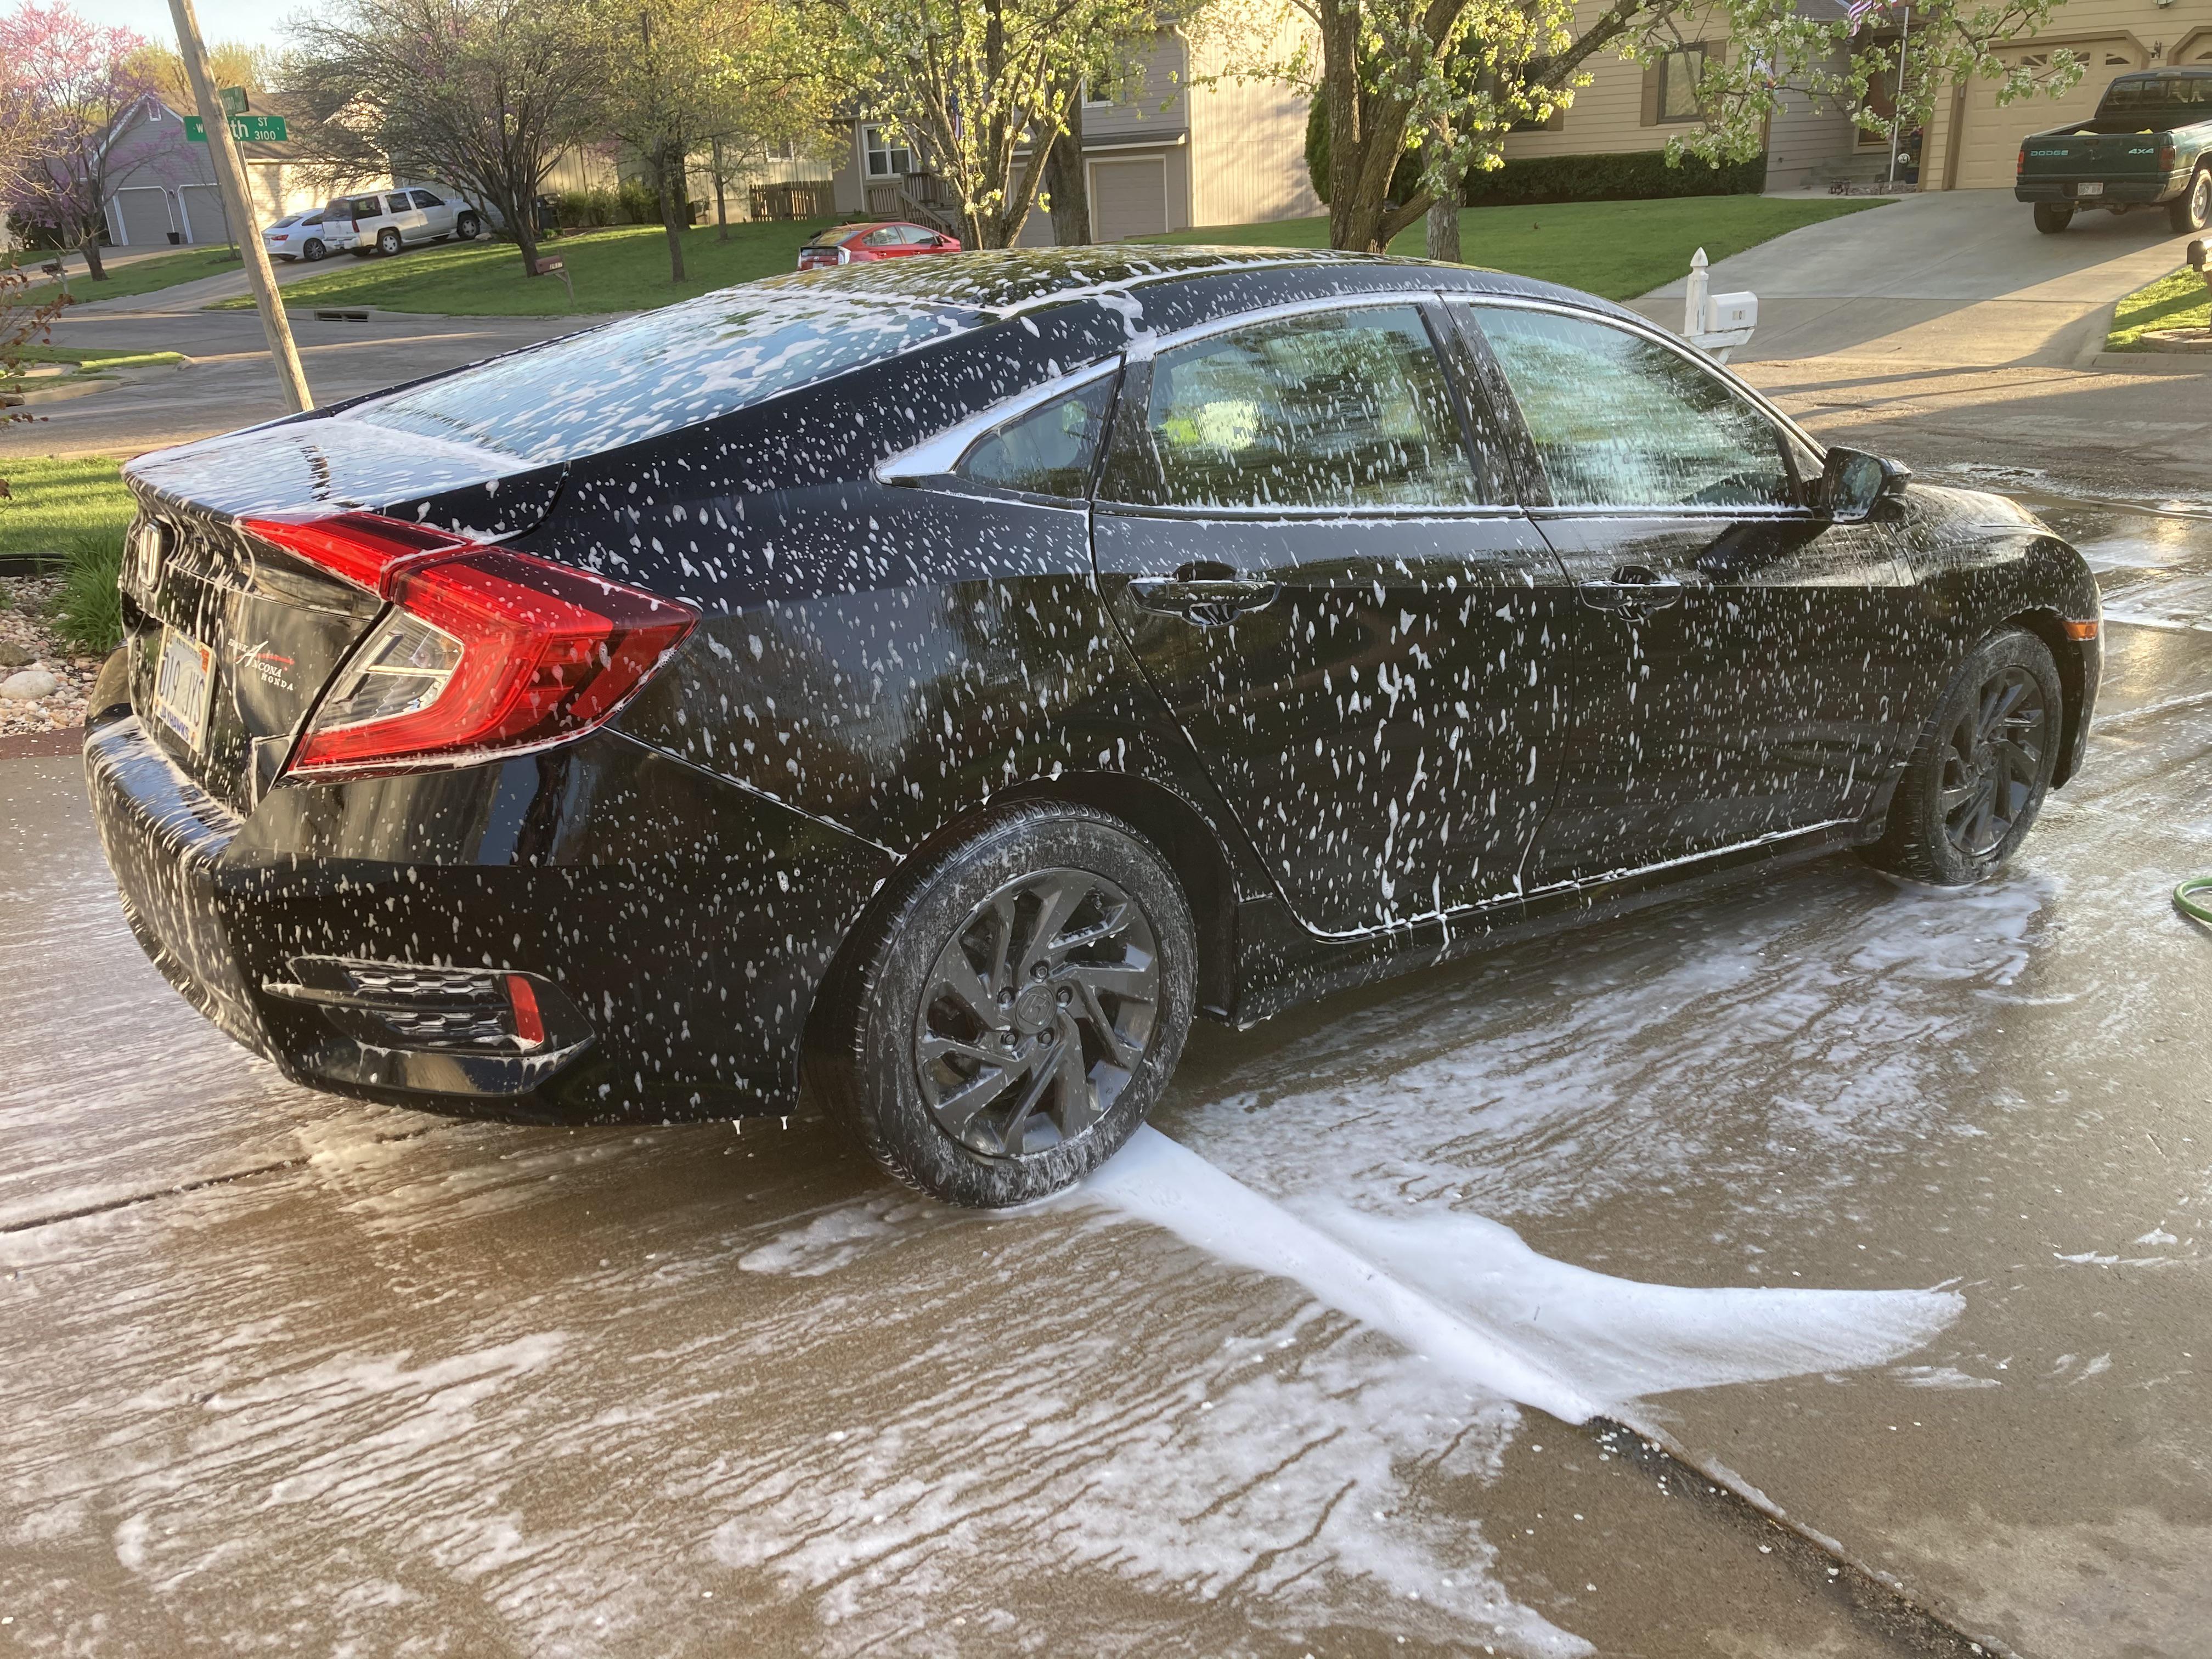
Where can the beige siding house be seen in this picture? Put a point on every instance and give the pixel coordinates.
(1971, 144)
(1161, 154)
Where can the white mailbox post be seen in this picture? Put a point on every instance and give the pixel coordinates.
(1716, 323)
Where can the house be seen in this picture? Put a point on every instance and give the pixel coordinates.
(1168, 151)
(164, 187)
(1971, 144)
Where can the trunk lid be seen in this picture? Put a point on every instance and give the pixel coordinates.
(2086, 152)
(232, 639)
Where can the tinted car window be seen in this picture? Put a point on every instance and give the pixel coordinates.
(1619, 420)
(398, 203)
(1337, 408)
(1046, 452)
(654, 373)
(422, 198)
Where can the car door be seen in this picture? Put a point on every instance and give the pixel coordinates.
(1310, 543)
(1738, 659)
(403, 215)
(437, 213)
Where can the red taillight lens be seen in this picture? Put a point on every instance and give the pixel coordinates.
(2167, 155)
(485, 651)
(2019, 167)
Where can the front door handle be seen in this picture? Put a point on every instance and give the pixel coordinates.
(1203, 601)
(1633, 591)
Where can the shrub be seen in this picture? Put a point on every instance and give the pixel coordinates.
(89, 611)
(582, 209)
(637, 204)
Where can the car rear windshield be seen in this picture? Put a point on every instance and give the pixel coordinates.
(646, 375)
(2159, 100)
(831, 237)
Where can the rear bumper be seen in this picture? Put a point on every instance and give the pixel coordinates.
(675, 928)
(2160, 187)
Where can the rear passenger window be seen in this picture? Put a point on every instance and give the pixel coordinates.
(1046, 452)
(1343, 409)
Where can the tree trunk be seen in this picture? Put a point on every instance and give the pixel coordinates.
(90, 248)
(1443, 212)
(672, 210)
(521, 216)
(1064, 180)
(721, 205)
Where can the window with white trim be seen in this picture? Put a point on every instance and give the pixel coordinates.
(887, 158)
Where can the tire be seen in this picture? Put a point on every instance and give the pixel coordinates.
(2192, 209)
(466, 226)
(911, 1066)
(2051, 217)
(314, 252)
(1979, 775)
(387, 241)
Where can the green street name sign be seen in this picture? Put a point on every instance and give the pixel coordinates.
(247, 128)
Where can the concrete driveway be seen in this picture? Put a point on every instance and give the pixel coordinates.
(1945, 330)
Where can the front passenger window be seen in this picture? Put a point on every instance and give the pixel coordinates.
(1619, 420)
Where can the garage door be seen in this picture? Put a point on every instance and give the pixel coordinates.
(203, 213)
(1129, 198)
(1989, 149)
(144, 211)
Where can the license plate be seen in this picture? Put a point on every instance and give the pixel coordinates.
(2089, 189)
(181, 688)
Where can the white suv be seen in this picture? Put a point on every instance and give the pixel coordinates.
(384, 222)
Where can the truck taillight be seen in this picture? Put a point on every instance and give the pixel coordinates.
(483, 651)
(2167, 155)
(2019, 167)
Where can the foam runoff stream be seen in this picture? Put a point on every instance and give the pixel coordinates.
(1468, 1295)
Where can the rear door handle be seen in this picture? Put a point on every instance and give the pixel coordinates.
(1633, 590)
(1204, 602)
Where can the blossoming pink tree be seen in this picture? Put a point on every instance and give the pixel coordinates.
(66, 83)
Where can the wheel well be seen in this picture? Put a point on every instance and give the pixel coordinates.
(2067, 653)
(1173, 826)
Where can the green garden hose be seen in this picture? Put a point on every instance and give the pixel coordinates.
(2186, 902)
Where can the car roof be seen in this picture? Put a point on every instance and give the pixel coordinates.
(1004, 282)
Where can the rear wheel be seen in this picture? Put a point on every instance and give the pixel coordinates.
(314, 250)
(1017, 1008)
(387, 241)
(2051, 217)
(2192, 209)
(1975, 784)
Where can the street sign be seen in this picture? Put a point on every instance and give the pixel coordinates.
(247, 128)
(233, 100)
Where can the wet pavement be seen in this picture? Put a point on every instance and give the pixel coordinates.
(288, 1372)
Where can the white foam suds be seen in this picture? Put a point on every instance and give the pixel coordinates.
(1466, 1294)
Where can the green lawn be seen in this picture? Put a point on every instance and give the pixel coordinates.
(96, 360)
(52, 504)
(140, 276)
(622, 269)
(1616, 249)
(2180, 300)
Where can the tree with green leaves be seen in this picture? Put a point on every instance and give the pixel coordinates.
(483, 95)
(983, 88)
(1449, 79)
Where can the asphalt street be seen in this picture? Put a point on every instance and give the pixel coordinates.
(1881, 1209)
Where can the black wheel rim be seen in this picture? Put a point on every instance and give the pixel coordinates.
(1036, 1013)
(1993, 762)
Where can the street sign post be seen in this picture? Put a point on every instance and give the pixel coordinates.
(246, 128)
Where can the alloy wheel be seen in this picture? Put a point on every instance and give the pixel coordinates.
(1993, 762)
(2200, 200)
(1036, 1013)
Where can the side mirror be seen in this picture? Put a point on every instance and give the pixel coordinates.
(1854, 481)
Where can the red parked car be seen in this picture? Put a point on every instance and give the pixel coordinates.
(852, 245)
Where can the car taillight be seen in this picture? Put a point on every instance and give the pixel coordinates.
(483, 652)
(2167, 155)
(2019, 167)
(844, 256)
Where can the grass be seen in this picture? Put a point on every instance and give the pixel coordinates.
(2180, 300)
(96, 360)
(140, 276)
(1615, 249)
(622, 269)
(52, 505)
(88, 610)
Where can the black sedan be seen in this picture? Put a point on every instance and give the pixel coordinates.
(928, 684)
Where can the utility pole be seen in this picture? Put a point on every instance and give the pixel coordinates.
(238, 207)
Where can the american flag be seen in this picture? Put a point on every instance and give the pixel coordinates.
(1860, 10)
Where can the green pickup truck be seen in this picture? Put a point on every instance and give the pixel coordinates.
(2146, 147)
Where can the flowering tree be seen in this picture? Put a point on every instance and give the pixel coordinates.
(972, 84)
(1450, 78)
(484, 95)
(65, 85)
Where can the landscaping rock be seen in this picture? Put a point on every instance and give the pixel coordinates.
(13, 655)
(29, 686)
